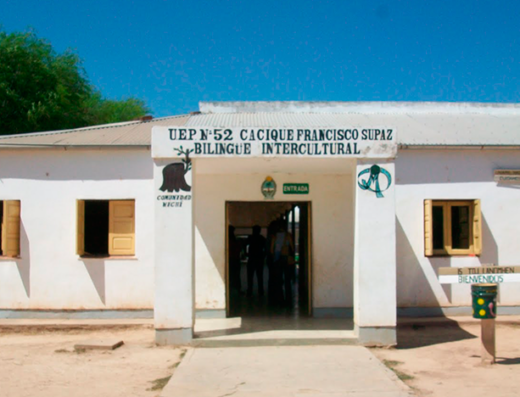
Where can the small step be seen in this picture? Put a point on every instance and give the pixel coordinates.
(279, 338)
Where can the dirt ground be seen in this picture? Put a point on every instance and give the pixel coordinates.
(41, 363)
(444, 360)
(434, 360)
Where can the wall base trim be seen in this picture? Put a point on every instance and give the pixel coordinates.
(76, 314)
(210, 313)
(177, 336)
(376, 336)
(318, 312)
(451, 311)
(332, 312)
(96, 314)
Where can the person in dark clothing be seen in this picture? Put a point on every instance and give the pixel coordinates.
(274, 278)
(282, 249)
(255, 263)
(234, 260)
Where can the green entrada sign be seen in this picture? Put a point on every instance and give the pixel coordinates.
(295, 188)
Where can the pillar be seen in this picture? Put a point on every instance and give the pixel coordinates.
(173, 252)
(375, 253)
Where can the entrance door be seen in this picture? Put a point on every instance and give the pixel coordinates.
(284, 288)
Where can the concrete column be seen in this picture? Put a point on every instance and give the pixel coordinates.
(174, 253)
(375, 255)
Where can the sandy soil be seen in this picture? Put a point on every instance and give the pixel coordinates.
(445, 361)
(434, 360)
(43, 363)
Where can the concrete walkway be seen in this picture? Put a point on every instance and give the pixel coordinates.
(308, 371)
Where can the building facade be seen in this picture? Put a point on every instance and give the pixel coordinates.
(133, 217)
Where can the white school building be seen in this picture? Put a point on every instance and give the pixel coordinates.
(133, 219)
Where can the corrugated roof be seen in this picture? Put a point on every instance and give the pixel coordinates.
(133, 133)
(415, 129)
(416, 123)
(388, 107)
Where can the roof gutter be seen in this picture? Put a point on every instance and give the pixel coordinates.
(458, 147)
(148, 147)
(72, 147)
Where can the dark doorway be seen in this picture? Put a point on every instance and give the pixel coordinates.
(279, 283)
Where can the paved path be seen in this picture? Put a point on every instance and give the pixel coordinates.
(308, 371)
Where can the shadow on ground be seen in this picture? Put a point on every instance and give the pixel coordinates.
(418, 334)
(508, 361)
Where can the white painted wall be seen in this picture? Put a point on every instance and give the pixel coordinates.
(454, 174)
(332, 224)
(374, 246)
(49, 274)
(174, 267)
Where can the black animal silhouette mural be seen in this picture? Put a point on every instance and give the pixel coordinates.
(174, 175)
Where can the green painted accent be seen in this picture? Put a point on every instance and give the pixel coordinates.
(484, 300)
(295, 188)
(375, 171)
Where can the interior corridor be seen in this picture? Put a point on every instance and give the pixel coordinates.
(260, 285)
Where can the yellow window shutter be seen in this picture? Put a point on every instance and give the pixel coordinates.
(80, 227)
(11, 228)
(428, 228)
(477, 228)
(121, 227)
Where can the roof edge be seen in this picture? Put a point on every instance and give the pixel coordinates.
(72, 147)
(450, 146)
(358, 107)
(90, 128)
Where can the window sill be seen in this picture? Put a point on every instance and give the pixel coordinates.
(107, 257)
(9, 258)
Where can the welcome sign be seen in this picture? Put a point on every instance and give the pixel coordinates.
(482, 274)
(369, 142)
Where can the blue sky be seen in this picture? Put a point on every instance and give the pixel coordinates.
(173, 54)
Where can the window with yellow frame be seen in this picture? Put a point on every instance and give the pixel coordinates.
(452, 227)
(10, 228)
(105, 227)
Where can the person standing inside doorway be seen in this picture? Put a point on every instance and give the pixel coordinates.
(282, 248)
(274, 284)
(255, 264)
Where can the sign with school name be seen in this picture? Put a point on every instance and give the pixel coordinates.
(477, 275)
(507, 176)
(349, 141)
(295, 188)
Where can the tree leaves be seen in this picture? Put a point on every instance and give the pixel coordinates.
(41, 90)
(103, 111)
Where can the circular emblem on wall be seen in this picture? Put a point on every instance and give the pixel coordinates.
(371, 181)
(269, 188)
